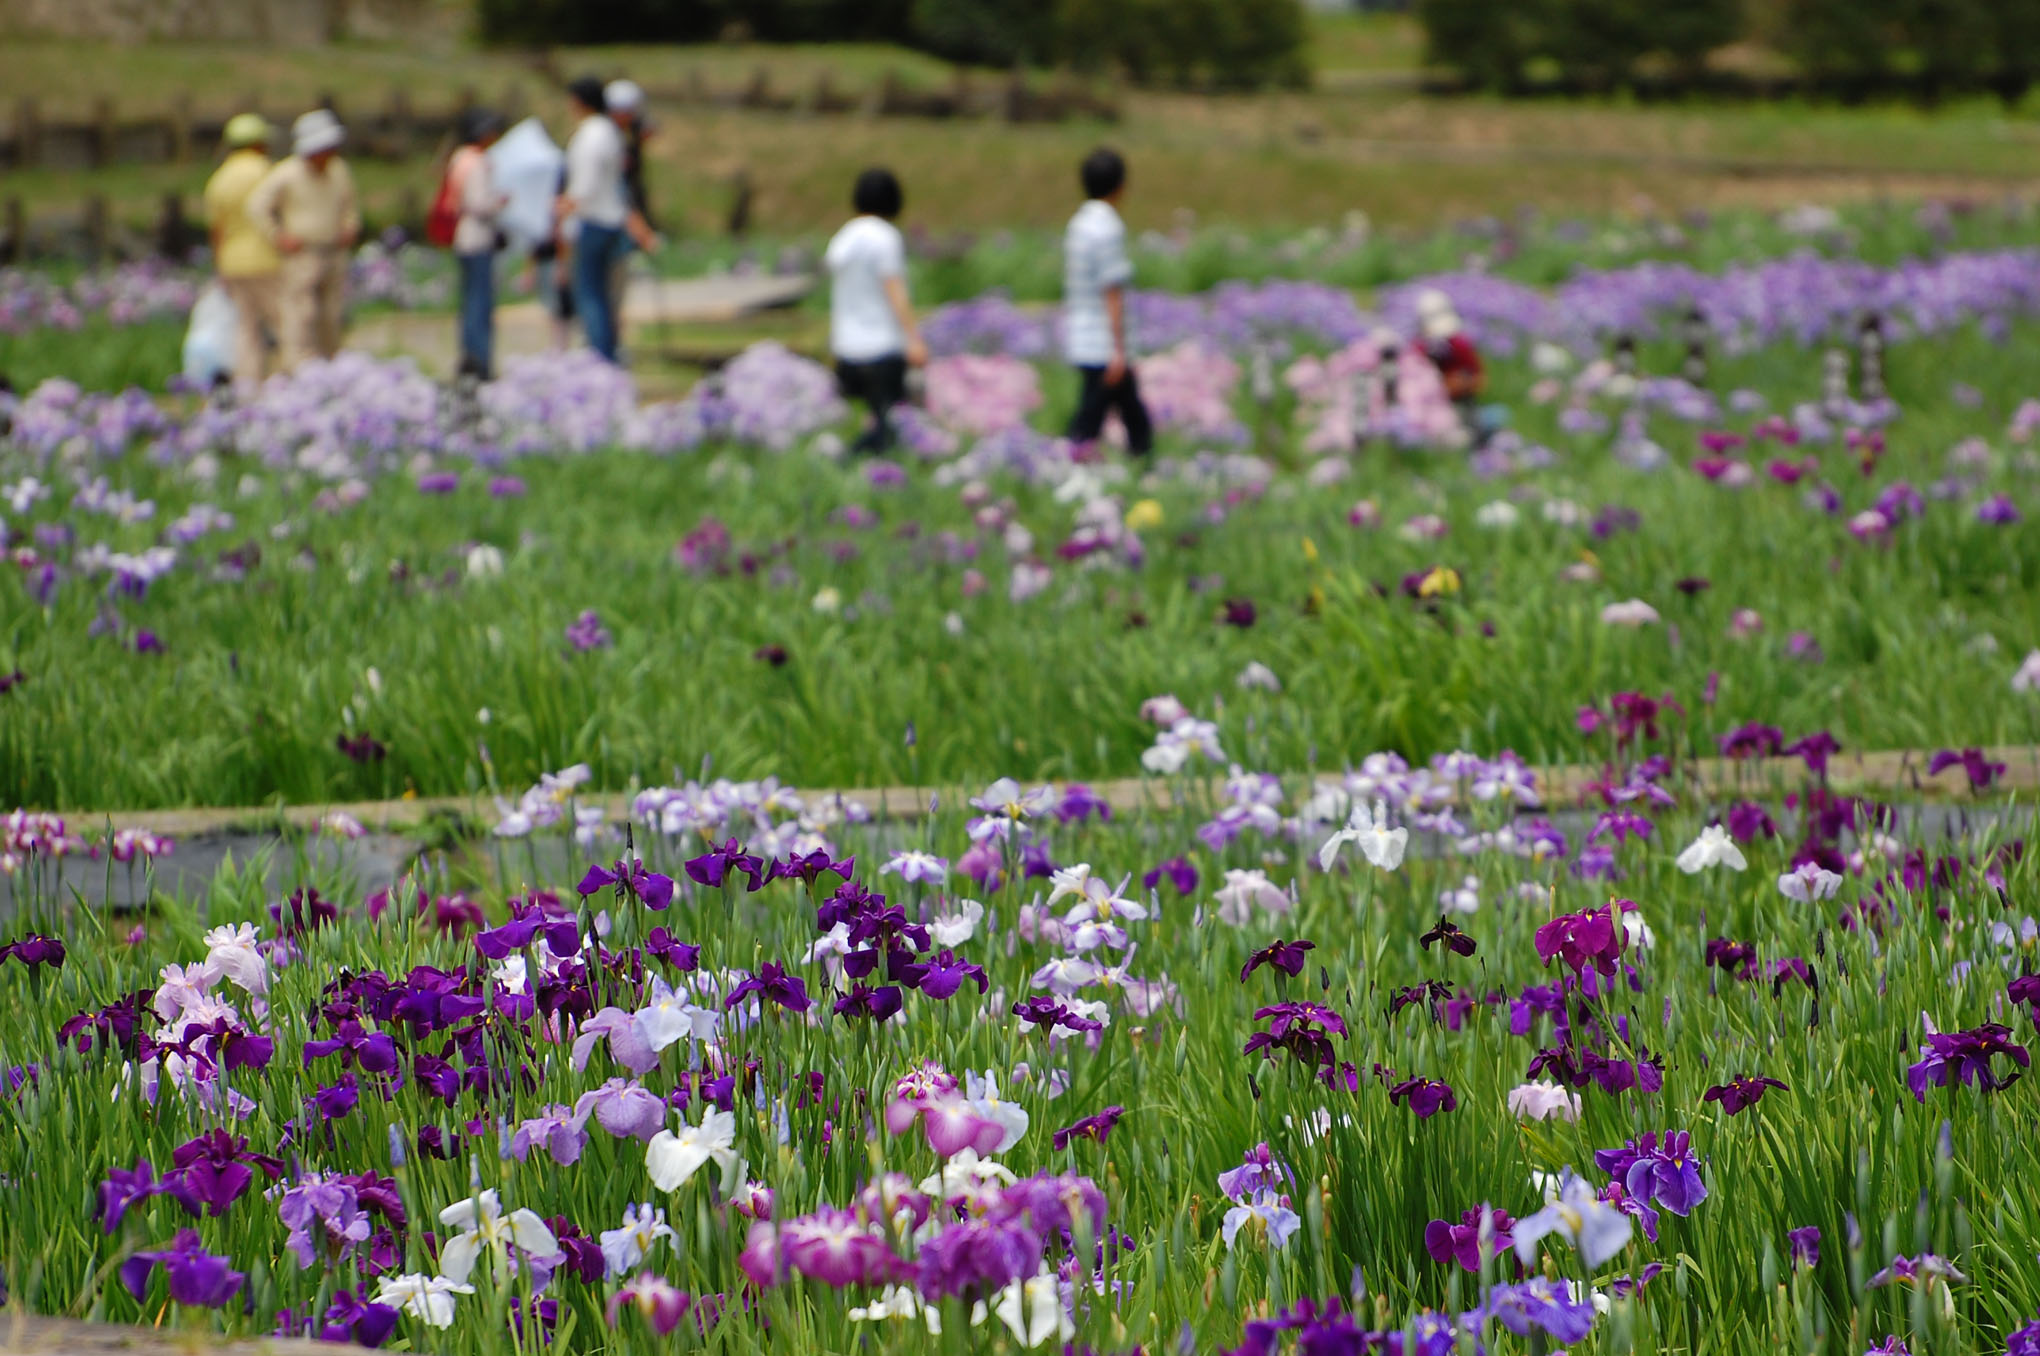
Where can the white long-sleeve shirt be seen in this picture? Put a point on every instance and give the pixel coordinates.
(1094, 260)
(595, 172)
(479, 203)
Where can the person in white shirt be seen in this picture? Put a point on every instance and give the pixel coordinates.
(593, 211)
(474, 239)
(1096, 272)
(871, 321)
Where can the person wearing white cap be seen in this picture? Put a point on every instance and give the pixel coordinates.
(242, 255)
(624, 100)
(307, 208)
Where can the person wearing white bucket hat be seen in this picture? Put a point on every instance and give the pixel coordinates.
(308, 210)
(1451, 351)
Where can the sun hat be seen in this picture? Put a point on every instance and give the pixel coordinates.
(1435, 312)
(316, 131)
(623, 96)
(245, 129)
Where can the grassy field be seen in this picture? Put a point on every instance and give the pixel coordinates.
(1287, 159)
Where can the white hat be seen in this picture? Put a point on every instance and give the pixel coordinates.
(1435, 312)
(316, 131)
(622, 96)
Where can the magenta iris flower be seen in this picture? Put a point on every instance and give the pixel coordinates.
(1582, 940)
(1753, 740)
(196, 1276)
(1094, 1127)
(1178, 871)
(1981, 770)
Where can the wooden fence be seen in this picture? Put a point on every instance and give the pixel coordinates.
(398, 130)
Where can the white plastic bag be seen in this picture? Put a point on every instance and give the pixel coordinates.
(209, 343)
(525, 166)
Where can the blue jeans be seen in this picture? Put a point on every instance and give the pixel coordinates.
(477, 312)
(596, 252)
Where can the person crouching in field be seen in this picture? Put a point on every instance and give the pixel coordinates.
(306, 208)
(1458, 362)
(242, 255)
(871, 321)
(1096, 272)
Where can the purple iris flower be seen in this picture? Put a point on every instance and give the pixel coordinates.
(632, 881)
(529, 921)
(1966, 1056)
(772, 984)
(878, 1004)
(1178, 871)
(711, 868)
(362, 1322)
(1748, 821)
(1094, 1127)
(196, 1276)
(624, 1108)
(562, 1134)
(1738, 959)
(125, 1187)
(323, 1213)
(2024, 1342)
(1805, 1244)
(1620, 1075)
(214, 1170)
(586, 632)
(946, 973)
(1914, 1270)
(1553, 1306)
(1284, 956)
(1814, 750)
(375, 1052)
(439, 482)
(662, 945)
(1079, 802)
(1462, 1242)
(1981, 770)
(34, 951)
(1998, 509)
(1035, 862)
(975, 1258)
(1260, 1168)
(1753, 740)
(1427, 1096)
(335, 1100)
(1739, 1093)
(1581, 940)
(1657, 1173)
(810, 868)
(1044, 1012)
(505, 487)
(1535, 998)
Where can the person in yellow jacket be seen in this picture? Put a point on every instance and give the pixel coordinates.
(242, 255)
(306, 207)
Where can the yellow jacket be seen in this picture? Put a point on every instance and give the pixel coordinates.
(244, 251)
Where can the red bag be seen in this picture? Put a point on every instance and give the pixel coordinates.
(444, 217)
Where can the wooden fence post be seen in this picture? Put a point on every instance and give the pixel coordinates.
(102, 133)
(180, 129)
(14, 247)
(27, 134)
(740, 203)
(97, 228)
(397, 124)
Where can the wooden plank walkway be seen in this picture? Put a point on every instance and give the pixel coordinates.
(1901, 773)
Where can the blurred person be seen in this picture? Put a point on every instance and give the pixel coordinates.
(625, 102)
(552, 278)
(476, 239)
(595, 210)
(306, 207)
(242, 255)
(872, 333)
(1450, 350)
(1096, 272)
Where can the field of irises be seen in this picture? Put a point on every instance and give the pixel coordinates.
(1335, 1038)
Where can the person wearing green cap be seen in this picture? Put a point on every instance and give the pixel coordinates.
(245, 260)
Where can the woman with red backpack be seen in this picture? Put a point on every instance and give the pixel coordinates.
(464, 217)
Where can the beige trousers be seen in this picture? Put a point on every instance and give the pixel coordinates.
(312, 294)
(254, 301)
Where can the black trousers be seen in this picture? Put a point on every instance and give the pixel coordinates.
(1097, 398)
(881, 384)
